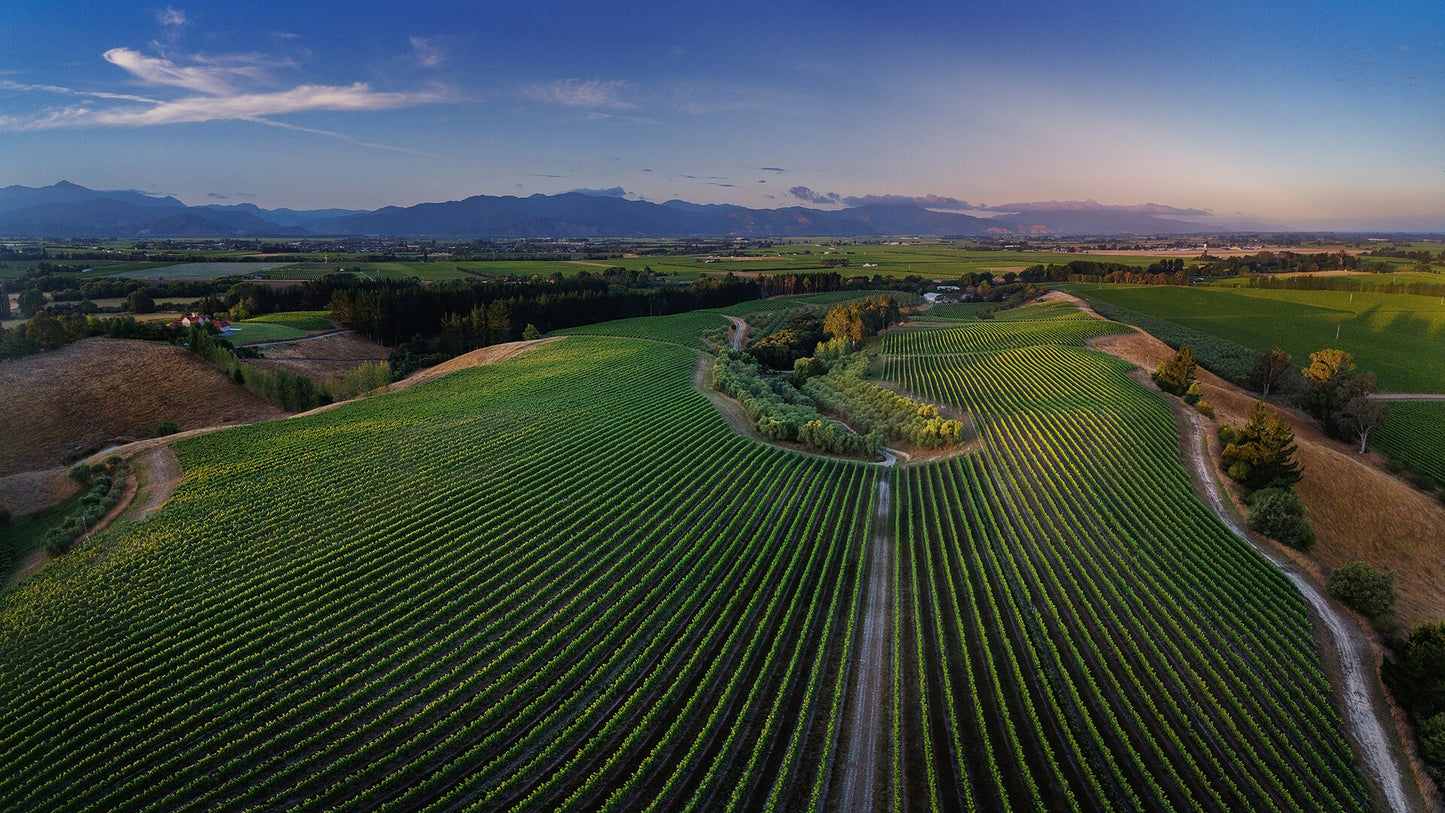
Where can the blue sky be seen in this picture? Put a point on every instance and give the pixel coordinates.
(1306, 114)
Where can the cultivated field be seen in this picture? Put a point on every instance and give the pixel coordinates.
(562, 582)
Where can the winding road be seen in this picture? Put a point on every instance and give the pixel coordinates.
(1357, 667)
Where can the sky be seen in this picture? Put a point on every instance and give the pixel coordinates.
(1318, 114)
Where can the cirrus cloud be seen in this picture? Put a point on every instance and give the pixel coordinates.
(592, 93)
(217, 92)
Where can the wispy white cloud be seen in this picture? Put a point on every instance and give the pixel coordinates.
(593, 93)
(428, 52)
(213, 79)
(247, 106)
(217, 92)
(172, 17)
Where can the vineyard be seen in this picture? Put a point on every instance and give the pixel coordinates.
(1078, 630)
(1415, 434)
(562, 582)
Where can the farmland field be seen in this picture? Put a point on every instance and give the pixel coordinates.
(1398, 336)
(562, 582)
(206, 270)
(300, 320)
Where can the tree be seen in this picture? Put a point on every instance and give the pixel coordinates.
(1323, 378)
(1262, 453)
(1177, 374)
(531, 333)
(1362, 414)
(1432, 739)
(47, 331)
(1277, 513)
(1417, 676)
(140, 302)
(1271, 371)
(4, 304)
(1365, 588)
(30, 301)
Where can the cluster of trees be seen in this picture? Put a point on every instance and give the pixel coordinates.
(843, 391)
(390, 311)
(783, 413)
(1339, 398)
(1416, 676)
(1344, 284)
(1176, 376)
(1260, 456)
(782, 347)
(105, 483)
(862, 319)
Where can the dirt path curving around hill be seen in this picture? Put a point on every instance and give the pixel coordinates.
(1355, 664)
(740, 332)
(864, 750)
(161, 473)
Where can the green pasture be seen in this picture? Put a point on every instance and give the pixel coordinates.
(252, 332)
(1400, 337)
(300, 320)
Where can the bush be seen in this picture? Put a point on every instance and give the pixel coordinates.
(1432, 739)
(1364, 588)
(1205, 408)
(1277, 514)
(166, 428)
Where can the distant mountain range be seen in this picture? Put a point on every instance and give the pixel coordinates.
(69, 210)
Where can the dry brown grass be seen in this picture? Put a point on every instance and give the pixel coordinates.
(1359, 511)
(326, 358)
(71, 402)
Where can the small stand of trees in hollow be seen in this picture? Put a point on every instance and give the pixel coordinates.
(787, 407)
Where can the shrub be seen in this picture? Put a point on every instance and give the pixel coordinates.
(1277, 514)
(166, 428)
(1205, 408)
(1432, 739)
(1364, 588)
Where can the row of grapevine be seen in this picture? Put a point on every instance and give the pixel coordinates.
(995, 335)
(1076, 631)
(1414, 433)
(555, 583)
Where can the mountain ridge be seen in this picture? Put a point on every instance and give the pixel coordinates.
(67, 209)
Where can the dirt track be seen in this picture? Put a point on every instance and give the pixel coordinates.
(864, 750)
